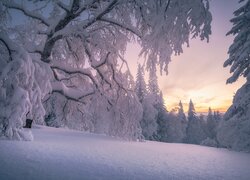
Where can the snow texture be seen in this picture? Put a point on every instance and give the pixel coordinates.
(66, 154)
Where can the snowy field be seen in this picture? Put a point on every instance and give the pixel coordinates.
(67, 154)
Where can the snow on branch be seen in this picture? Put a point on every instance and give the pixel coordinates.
(63, 6)
(7, 46)
(70, 70)
(71, 13)
(8, 43)
(101, 62)
(74, 94)
(32, 14)
(123, 26)
(109, 7)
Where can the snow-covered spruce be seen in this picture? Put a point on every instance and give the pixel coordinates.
(234, 129)
(154, 120)
(195, 132)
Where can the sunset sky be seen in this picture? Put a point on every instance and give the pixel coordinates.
(198, 73)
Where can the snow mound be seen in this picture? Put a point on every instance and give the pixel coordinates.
(67, 154)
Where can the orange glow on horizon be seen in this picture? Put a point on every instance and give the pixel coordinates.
(199, 109)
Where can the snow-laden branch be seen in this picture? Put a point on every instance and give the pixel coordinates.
(97, 64)
(106, 10)
(124, 62)
(32, 14)
(57, 31)
(70, 70)
(74, 94)
(118, 83)
(71, 13)
(63, 6)
(123, 26)
(8, 44)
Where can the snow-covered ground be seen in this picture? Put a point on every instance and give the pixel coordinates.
(66, 154)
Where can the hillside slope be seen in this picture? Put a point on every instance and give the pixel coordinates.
(66, 154)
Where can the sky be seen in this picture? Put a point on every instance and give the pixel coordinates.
(198, 73)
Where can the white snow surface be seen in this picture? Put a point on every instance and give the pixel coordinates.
(67, 154)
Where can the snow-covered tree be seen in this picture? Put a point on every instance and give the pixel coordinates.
(161, 119)
(195, 132)
(239, 51)
(234, 128)
(126, 111)
(211, 124)
(121, 118)
(126, 116)
(148, 123)
(152, 107)
(140, 84)
(217, 116)
(95, 33)
(182, 118)
(158, 102)
(210, 114)
(176, 125)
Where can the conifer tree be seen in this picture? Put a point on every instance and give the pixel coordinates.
(148, 122)
(239, 51)
(151, 107)
(176, 129)
(211, 124)
(140, 85)
(161, 119)
(181, 114)
(182, 118)
(234, 128)
(195, 133)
